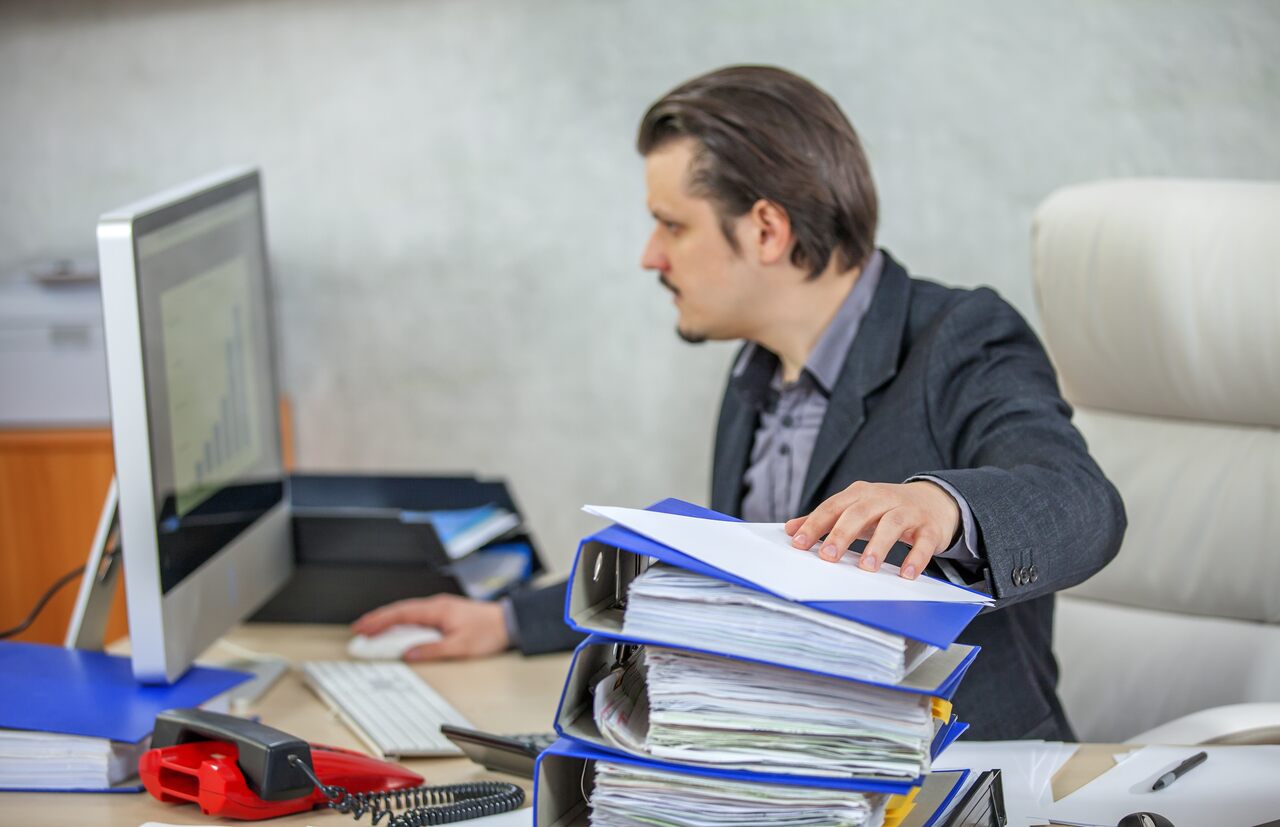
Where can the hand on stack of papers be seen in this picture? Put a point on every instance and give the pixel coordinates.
(670, 605)
(628, 796)
(703, 709)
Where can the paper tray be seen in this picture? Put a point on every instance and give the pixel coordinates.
(354, 551)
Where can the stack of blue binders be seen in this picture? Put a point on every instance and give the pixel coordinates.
(606, 564)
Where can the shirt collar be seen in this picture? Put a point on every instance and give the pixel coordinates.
(757, 370)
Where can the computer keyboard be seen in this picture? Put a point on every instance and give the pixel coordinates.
(394, 711)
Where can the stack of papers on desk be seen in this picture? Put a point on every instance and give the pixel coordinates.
(49, 761)
(631, 796)
(677, 606)
(77, 720)
(751, 682)
(702, 709)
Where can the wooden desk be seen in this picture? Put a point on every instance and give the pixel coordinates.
(506, 694)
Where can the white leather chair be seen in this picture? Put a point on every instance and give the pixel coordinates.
(1160, 304)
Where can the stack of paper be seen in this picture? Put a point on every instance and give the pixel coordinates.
(630, 796)
(48, 761)
(695, 708)
(738, 680)
(676, 606)
(71, 719)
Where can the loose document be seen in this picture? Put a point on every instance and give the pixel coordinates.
(753, 551)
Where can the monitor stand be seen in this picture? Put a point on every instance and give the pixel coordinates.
(88, 626)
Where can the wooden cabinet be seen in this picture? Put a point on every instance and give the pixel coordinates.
(52, 484)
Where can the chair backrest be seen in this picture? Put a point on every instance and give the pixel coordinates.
(1160, 304)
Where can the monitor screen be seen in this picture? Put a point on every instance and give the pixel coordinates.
(194, 415)
(207, 356)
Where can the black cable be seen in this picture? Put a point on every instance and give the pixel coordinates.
(40, 604)
(421, 806)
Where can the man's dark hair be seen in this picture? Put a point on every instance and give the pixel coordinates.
(764, 133)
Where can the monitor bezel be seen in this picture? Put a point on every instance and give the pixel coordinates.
(169, 630)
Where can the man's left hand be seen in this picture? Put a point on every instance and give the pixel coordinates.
(920, 514)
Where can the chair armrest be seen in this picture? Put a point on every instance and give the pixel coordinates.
(1256, 723)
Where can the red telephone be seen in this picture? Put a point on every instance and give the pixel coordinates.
(251, 771)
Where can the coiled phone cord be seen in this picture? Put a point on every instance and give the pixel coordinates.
(444, 804)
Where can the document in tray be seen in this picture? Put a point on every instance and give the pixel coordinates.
(761, 553)
(463, 530)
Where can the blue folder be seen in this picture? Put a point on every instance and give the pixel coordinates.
(937, 624)
(557, 793)
(575, 720)
(74, 692)
(580, 749)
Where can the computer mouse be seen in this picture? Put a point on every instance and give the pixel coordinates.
(391, 643)
(1144, 820)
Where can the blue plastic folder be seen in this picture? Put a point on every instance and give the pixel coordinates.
(937, 624)
(575, 720)
(558, 788)
(74, 692)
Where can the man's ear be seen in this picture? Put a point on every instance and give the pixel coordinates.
(770, 231)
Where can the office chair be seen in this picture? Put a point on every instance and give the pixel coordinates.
(1160, 303)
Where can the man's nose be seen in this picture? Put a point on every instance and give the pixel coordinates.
(653, 258)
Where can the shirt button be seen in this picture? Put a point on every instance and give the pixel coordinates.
(787, 421)
(784, 449)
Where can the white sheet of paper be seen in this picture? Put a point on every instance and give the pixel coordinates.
(1236, 785)
(761, 553)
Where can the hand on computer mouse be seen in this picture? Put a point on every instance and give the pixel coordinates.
(392, 642)
(468, 628)
(1144, 820)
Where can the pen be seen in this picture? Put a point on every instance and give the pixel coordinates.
(1179, 771)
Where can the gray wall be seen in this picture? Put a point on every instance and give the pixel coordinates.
(456, 213)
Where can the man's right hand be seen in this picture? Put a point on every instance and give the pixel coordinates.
(468, 628)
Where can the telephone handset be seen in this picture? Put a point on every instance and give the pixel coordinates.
(236, 768)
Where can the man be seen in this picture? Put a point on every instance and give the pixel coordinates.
(921, 419)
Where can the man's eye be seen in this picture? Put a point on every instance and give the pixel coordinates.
(671, 226)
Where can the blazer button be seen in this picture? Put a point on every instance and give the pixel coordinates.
(1035, 575)
(1017, 576)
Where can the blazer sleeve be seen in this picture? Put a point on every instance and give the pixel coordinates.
(539, 614)
(1046, 515)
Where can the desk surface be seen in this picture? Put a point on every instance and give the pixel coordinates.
(504, 694)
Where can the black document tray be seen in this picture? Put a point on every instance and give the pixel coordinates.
(353, 553)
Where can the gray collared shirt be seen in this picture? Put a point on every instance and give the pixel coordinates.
(791, 416)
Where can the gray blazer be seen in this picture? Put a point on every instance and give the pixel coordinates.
(954, 384)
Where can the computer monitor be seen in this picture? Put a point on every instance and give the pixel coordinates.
(203, 505)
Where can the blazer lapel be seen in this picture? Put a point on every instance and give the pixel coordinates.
(733, 450)
(736, 430)
(872, 361)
